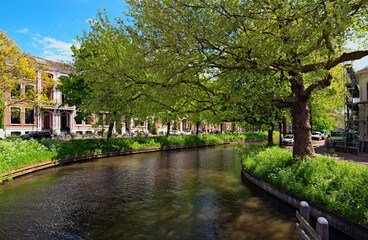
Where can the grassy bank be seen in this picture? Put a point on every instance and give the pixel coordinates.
(17, 153)
(336, 186)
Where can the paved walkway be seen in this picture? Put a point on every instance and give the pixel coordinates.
(320, 149)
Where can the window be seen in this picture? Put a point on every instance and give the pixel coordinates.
(78, 119)
(29, 116)
(88, 119)
(15, 133)
(15, 91)
(29, 90)
(100, 119)
(15, 115)
(47, 91)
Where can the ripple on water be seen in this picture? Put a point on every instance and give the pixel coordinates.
(193, 194)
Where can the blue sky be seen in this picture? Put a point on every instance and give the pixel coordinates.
(48, 28)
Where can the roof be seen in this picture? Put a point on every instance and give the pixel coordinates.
(55, 66)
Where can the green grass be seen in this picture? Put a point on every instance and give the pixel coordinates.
(336, 186)
(16, 153)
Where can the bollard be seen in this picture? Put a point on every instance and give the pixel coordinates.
(322, 228)
(304, 210)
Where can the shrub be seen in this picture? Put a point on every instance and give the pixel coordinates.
(16, 153)
(336, 186)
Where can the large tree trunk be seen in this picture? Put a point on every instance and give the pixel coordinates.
(197, 128)
(168, 129)
(302, 130)
(270, 134)
(284, 126)
(111, 127)
(280, 137)
(127, 127)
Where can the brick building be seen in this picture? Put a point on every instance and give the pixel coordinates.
(29, 116)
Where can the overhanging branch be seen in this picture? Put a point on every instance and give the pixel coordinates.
(334, 62)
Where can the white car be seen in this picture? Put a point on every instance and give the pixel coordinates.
(174, 132)
(288, 139)
(2, 134)
(317, 136)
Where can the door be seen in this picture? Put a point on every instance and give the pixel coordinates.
(46, 120)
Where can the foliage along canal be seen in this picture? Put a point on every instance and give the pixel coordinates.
(190, 194)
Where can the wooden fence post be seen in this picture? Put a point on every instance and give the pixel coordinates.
(304, 210)
(322, 228)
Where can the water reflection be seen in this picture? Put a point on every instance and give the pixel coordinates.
(193, 194)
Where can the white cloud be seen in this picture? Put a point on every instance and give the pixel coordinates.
(24, 31)
(55, 50)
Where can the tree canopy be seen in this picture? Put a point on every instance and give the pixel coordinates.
(298, 41)
(16, 67)
(232, 58)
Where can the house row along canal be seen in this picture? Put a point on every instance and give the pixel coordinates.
(188, 194)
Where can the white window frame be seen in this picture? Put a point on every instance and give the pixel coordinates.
(20, 116)
(34, 121)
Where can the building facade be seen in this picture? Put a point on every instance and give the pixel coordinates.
(53, 116)
(363, 108)
(29, 116)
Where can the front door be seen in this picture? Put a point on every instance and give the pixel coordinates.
(64, 119)
(46, 120)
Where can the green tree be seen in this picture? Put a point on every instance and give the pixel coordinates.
(104, 65)
(299, 41)
(327, 105)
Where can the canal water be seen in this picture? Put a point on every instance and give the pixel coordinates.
(189, 194)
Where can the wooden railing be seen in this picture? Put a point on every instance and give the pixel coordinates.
(304, 228)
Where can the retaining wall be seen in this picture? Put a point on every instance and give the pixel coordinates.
(337, 221)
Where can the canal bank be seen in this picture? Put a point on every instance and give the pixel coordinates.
(85, 157)
(184, 194)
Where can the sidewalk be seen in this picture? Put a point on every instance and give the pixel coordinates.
(320, 149)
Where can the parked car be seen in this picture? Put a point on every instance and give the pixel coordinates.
(288, 139)
(337, 136)
(215, 131)
(323, 132)
(37, 135)
(195, 131)
(317, 136)
(175, 132)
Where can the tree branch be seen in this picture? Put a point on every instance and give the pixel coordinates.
(321, 84)
(334, 62)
